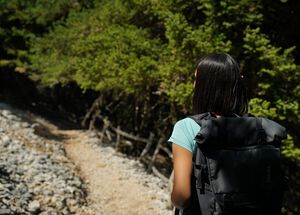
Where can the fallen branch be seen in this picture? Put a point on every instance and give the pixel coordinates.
(105, 126)
(148, 146)
(93, 120)
(95, 104)
(129, 136)
(166, 150)
(156, 151)
(149, 142)
(118, 137)
(158, 174)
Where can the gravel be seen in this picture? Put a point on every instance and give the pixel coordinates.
(35, 175)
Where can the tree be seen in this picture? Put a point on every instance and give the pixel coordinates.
(23, 20)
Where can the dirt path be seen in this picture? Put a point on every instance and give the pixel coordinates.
(115, 184)
(113, 190)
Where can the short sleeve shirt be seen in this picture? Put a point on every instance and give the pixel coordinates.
(183, 134)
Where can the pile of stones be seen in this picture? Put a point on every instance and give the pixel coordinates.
(35, 175)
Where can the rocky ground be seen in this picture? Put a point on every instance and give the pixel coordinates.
(47, 170)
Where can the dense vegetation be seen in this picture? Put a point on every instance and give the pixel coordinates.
(139, 57)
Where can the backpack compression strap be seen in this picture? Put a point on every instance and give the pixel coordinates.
(199, 160)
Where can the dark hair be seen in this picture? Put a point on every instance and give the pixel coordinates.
(219, 87)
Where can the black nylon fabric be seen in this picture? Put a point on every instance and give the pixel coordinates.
(194, 207)
(236, 167)
(242, 131)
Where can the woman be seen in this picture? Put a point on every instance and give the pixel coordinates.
(218, 88)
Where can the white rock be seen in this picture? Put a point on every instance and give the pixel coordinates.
(34, 206)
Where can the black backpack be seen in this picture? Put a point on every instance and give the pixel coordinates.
(236, 166)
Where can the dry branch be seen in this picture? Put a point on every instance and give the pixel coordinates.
(149, 142)
(129, 136)
(148, 146)
(93, 120)
(166, 150)
(105, 126)
(118, 137)
(158, 174)
(94, 106)
(108, 135)
(156, 151)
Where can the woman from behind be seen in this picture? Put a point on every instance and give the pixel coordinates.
(218, 89)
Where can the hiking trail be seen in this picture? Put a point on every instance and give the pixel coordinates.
(114, 184)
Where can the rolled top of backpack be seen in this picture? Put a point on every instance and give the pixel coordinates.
(238, 131)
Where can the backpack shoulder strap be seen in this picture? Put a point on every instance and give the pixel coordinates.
(199, 160)
(199, 117)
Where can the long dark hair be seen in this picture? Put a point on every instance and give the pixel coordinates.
(219, 87)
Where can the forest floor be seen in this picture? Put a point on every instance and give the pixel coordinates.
(114, 183)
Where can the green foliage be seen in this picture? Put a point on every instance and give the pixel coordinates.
(113, 47)
(277, 79)
(98, 51)
(21, 21)
(261, 108)
(290, 151)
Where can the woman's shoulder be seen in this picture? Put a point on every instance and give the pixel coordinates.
(184, 132)
(187, 121)
(187, 124)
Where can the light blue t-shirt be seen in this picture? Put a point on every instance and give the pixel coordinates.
(183, 134)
